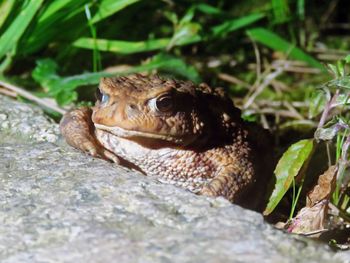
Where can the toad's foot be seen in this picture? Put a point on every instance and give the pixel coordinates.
(77, 128)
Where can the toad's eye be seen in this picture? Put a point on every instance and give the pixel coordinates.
(98, 94)
(105, 98)
(102, 97)
(163, 103)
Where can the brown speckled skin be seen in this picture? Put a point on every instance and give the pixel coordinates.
(195, 139)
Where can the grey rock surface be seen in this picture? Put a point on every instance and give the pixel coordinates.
(59, 205)
(19, 120)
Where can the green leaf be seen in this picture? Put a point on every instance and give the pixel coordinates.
(129, 47)
(58, 6)
(280, 11)
(334, 70)
(341, 68)
(11, 36)
(338, 70)
(107, 8)
(287, 168)
(342, 83)
(347, 59)
(208, 9)
(330, 130)
(63, 88)
(5, 9)
(235, 24)
(187, 18)
(317, 104)
(171, 64)
(301, 9)
(274, 41)
(121, 47)
(63, 97)
(186, 33)
(185, 30)
(342, 100)
(54, 19)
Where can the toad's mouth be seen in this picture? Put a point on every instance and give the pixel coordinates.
(139, 135)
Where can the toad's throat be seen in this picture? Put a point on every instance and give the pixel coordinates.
(129, 134)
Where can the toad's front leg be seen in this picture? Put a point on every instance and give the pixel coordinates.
(78, 129)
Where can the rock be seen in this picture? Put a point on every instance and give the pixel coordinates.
(59, 205)
(21, 120)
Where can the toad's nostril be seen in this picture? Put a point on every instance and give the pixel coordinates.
(131, 110)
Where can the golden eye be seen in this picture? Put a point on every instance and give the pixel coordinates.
(164, 103)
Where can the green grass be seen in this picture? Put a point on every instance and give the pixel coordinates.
(65, 30)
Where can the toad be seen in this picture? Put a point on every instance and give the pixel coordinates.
(183, 134)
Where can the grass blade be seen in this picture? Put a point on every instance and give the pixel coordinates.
(171, 64)
(187, 33)
(110, 7)
(280, 11)
(234, 24)
(129, 47)
(301, 9)
(208, 9)
(5, 9)
(11, 36)
(58, 6)
(121, 47)
(274, 41)
(50, 24)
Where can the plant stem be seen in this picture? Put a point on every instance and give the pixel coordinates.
(295, 201)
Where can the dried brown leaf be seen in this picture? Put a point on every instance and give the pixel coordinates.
(310, 220)
(324, 188)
